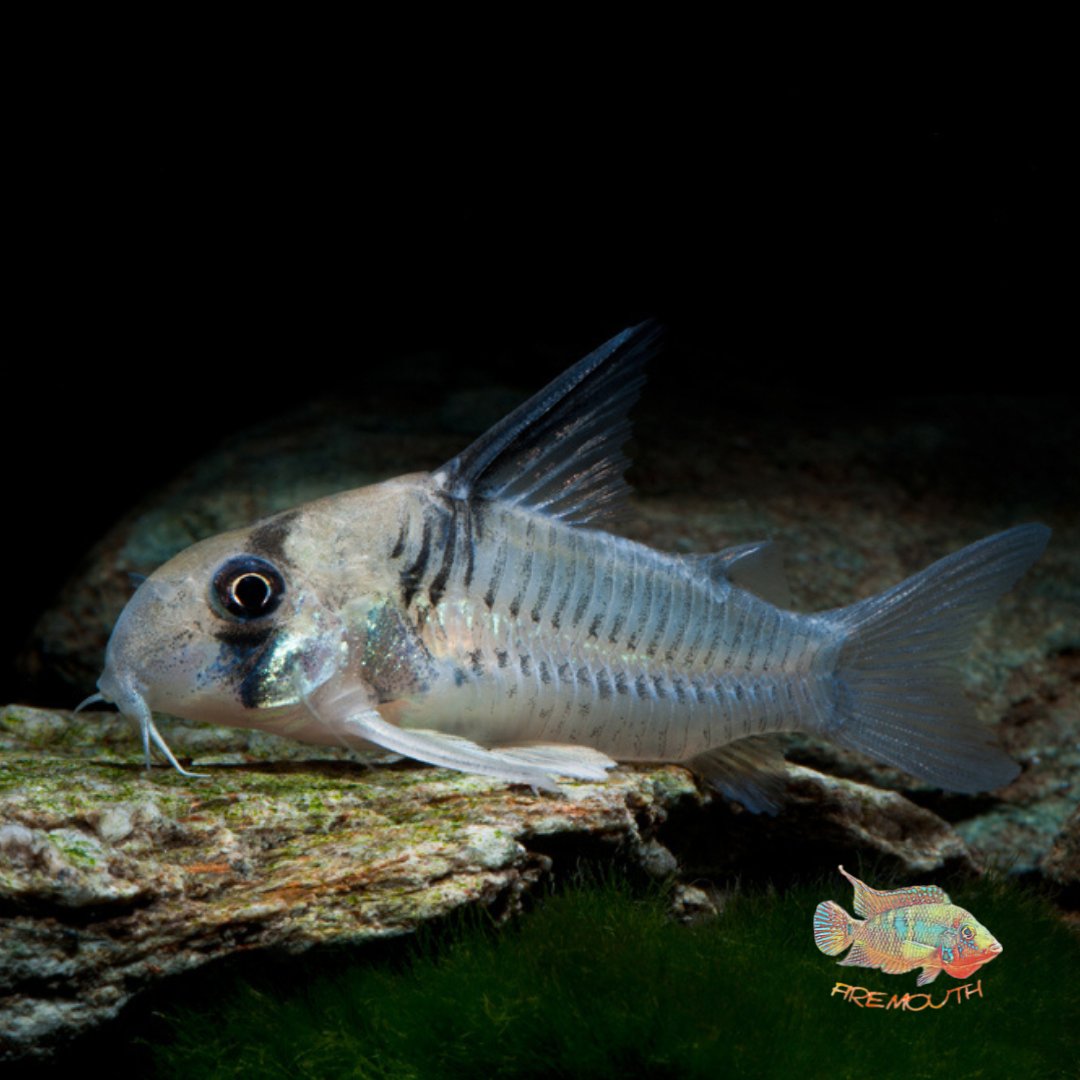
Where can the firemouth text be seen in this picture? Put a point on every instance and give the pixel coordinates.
(878, 999)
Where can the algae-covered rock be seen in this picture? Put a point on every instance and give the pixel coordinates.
(114, 879)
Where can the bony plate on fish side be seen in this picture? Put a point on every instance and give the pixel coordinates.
(481, 617)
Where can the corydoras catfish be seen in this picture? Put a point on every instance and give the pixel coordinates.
(479, 617)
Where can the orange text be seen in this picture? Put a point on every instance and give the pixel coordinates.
(875, 999)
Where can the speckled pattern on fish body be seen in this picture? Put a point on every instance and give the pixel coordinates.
(479, 617)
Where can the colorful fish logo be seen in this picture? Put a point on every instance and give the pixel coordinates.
(905, 929)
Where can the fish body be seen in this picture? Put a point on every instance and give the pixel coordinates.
(481, 618)
(905, 929)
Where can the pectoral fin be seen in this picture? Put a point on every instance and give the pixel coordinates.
(349, 713)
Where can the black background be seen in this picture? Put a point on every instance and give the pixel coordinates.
(180, 281)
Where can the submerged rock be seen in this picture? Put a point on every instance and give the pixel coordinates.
(114, 880)
(1062, 862)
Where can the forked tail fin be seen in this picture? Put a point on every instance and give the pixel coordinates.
(899, 696)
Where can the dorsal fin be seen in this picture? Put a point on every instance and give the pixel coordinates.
(872, 902)
(756, 567)
(561, 451)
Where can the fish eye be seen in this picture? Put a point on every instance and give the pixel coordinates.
(967, 933)
(248, 588)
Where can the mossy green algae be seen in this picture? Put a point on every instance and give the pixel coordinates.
(600, 982)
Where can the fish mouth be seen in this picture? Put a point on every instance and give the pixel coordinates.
(133, 646)
(129, 698)
(123, 692)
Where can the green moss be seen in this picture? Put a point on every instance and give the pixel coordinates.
(599, 982)
(78, 850)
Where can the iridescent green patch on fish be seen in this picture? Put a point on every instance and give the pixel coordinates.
(904, 929)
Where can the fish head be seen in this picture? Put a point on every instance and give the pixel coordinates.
(967, 945)
(230, 631)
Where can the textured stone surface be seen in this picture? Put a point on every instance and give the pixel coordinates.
(1062, 861)
(113, 880)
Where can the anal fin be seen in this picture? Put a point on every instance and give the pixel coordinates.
(750, 771)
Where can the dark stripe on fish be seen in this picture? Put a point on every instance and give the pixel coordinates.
(661, 623)
(496, 573)
(411, 576)
(646, 607)
(603, 685)
(603, 600)
(585, 596)
(267, 540)
(448, 524)
(680, 628)
(240, 656)
(548, 579)
(718, 639)
(474, 530)
(556, 615)
(403, 534)
(526, 572)
(544, 593)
